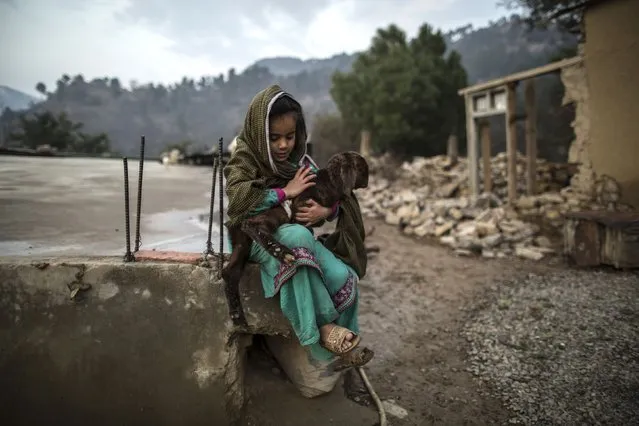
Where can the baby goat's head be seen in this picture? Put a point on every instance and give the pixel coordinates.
(348, 171)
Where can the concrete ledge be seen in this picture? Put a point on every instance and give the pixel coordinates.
(168, 256)
(100, 341)
(263, 315)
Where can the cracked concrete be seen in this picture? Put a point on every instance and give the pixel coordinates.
(138, 343)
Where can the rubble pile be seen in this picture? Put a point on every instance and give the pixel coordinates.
(429, 197)
(449, 180)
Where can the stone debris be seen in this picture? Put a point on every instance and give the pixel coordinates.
(393, 409)
(430, 197)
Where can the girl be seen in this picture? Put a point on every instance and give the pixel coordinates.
(318, 291)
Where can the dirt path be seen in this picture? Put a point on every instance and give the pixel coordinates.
(413, 303)
(412, 310)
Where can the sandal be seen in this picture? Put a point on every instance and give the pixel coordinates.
(353, 359)
(336, 338)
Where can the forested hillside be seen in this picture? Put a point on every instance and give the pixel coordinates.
(203, 108)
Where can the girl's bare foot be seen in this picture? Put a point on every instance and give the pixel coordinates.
(325, 331)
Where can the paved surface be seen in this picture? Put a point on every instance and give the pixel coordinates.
(76, 206)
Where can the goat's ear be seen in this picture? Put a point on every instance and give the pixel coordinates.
(348, 171)
(361, 172)
(348, 175)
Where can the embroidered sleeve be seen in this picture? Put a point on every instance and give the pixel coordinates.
(309, 164)
(281, 195)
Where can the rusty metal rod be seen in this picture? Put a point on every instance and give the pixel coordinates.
(128, 256)
(221, 206)
(209, 243)
(138, 238)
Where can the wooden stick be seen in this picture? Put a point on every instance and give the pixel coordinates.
(511, 142)
(531, 138)
(485, 154)
(471, 137)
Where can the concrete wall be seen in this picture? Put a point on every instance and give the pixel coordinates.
(139, 344)
(612, 68)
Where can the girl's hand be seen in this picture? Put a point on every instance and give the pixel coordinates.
(303, 179)
(312, 213)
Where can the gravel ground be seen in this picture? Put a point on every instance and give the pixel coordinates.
(560, 348)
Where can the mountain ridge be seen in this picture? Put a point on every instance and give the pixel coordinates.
(206, 108)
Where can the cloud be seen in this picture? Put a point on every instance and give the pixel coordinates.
(42, 43)
(202, 16)
(164, 40)
(305, 28)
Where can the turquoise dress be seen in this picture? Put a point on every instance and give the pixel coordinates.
(316, 289)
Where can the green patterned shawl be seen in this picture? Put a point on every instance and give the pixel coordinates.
(251, 170)
(347, 242)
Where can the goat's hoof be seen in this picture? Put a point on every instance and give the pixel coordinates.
(289, 258)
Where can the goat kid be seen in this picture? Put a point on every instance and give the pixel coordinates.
(344, 172)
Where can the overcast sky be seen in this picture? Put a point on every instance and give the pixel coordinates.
(163, 40)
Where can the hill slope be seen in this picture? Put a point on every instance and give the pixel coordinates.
(15, 99)
(206, 108)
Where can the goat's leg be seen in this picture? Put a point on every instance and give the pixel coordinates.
(241, 244)
(232, 274)
(262, 234)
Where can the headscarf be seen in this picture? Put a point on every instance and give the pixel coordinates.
(251, 168)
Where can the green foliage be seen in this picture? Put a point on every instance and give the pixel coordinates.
(330, 135)
(59, 132)
(505, 46)
(203, 109)
(41, 88)
(564, 53)
(404, 92)
(566, 14)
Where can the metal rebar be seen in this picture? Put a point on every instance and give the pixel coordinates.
(209, 243)
(221, 206)
(138, 238)
(128, 256)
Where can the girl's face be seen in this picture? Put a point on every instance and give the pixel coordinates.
(282, 135)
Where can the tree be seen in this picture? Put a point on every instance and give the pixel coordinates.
(330, 135)
(58, 132)
(41, 88)
(115, 87)
(92, 144)
(566, 14)
(404, 92)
